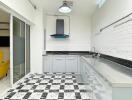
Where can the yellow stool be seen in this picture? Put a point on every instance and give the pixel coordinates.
(4, 66)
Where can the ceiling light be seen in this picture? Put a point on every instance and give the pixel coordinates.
(65, 8)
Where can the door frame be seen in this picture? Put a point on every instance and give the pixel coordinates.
(11, 49)
(22, 18)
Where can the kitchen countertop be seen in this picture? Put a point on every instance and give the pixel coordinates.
(110, 72)
(68, 53)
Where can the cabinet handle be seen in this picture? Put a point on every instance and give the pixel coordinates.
(59, 59)
(71, 59)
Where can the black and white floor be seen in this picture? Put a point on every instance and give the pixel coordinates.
(50, 86)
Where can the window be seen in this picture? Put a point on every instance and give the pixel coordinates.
(100, 3)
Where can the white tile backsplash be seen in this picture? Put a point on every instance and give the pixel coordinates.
(116, 41)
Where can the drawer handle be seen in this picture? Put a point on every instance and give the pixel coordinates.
(71, 59)
(59, 59)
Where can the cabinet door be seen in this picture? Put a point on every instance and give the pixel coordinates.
(83, 70)
(47, 64)
(71, 64)
(86, 72)
(78, 64)
(81, 66)
(59, 64)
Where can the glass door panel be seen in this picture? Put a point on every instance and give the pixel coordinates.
(27, 49)
(16, 46)
(18, 49)
(22, 55)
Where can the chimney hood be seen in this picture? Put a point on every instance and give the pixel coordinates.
(60, 29)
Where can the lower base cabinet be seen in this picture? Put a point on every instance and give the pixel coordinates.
(100, 88)
(47, 63)
(61, 63)
(71, 64)
(58, 64)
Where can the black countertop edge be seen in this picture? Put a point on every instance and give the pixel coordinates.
(124, 62)
(121, 61)
(69, 52)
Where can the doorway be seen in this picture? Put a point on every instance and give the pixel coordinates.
(14, 50)
(4, 51)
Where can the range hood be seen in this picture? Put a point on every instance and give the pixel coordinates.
(60, 29)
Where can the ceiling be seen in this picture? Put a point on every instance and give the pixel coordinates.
(80, 7)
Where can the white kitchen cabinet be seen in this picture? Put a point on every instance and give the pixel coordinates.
(78, 65)
(59, 63)
(71, 64)
(47, 63)
(97, 82)
(81, 66)
(83, 69)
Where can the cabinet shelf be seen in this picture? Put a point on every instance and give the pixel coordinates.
(4, 22)
(4, 29)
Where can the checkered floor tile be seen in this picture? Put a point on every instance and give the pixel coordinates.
(50, 86)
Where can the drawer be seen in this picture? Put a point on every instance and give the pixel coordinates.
(61, 56)
(71, 58)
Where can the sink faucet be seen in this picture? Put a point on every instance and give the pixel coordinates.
(96, 53)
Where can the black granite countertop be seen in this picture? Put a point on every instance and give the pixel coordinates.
(125, 62)
(68, 53)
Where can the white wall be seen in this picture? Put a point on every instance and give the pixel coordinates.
(79, 39)
(113, 41)
(22, 7)
(25, 11)
(111, 11)
(37, 32)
